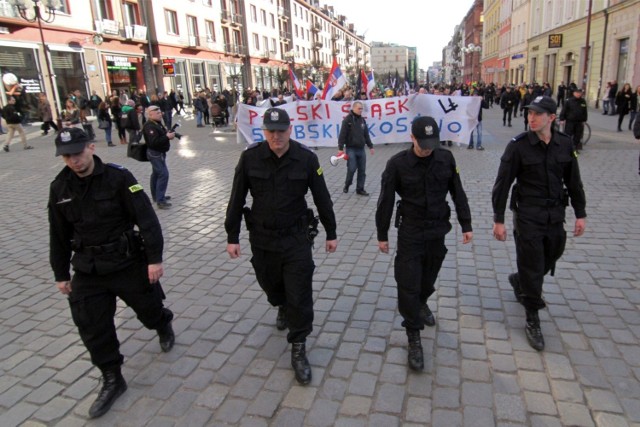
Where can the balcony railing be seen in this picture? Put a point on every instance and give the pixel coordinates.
(193, 41)
(236, 19)
(107, 26)
(285, 35)
(234, 49)
(135, 32)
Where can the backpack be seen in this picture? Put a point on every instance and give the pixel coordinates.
(124, 120)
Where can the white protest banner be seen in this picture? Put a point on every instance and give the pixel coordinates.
(317, 123)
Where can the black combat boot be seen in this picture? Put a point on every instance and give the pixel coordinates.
(281, 320)
(165, 333)
(113, 385)
(427, 316)
(300, 363)
(514, 280)
(533, 330)
(416, 359)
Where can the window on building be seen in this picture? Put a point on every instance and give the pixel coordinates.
(102, 9)
(265, 43)
(254, 14)
(274, 45)
(273, 20)
(130, 12)
(207, 2)
(295, 27)
(210, 30)
(171, 19)
(63, 6)
(192, 27)
(263, 17)
(256, 41)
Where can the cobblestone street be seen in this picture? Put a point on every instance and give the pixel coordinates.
(230, 366)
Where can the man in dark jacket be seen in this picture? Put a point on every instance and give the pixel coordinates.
(526, 100)
(279, 173)
(13, 116)
(354, 134)
(545, 167)
(93, 208)
(574, 115)
(507, 103)
(158, 141)
(422, 176)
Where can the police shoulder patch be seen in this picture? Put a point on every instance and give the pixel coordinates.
(458, 170)
(135, 188)
(319, 171)
(115, 166)
(520, 137)
(575, 154)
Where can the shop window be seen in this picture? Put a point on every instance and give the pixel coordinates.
(171, 20)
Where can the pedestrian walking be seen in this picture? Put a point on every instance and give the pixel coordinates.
(623, 103)
(278, 173)
(13, 116)
(544, 166)
(574, 115)
(105, 122)
(158, 140)
(44, 108)
(354, 135)
(422, 176)
(507, 103)
(93, 208)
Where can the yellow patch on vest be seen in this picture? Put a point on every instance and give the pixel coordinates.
(575, 154)
(319, 171)
(457, 170)
(135, 188)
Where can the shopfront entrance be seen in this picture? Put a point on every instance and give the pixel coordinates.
(125, 73)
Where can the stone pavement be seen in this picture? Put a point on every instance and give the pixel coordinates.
(230, 365)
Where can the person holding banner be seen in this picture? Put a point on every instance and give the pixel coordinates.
(279, 173)
(422, 176)
(354, 134)
(544, 165)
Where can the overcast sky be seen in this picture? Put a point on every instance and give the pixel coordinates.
(427, 25)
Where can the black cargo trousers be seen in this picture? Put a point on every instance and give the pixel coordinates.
(418, 261)
(285, 273)
(93, 307)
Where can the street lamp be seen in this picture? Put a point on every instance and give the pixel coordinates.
(50, 6)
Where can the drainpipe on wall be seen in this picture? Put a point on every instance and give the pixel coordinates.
(604, 47)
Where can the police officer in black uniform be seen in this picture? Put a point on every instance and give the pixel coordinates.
(574, 114)
(545, 167)
(278, 173)
(93, 209)
(422, 176)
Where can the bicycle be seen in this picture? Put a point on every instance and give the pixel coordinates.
(586, 135)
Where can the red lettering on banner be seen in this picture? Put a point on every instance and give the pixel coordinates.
(346, 108)
(389, 107)
(252, 115)
(314, 112)
(302, 114)
(402, 105)
(376, 110)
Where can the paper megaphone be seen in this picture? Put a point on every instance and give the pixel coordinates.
(334, 159)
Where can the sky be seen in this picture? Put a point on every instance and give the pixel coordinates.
(427, 24)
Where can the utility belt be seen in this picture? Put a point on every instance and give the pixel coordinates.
(517, 200)
(129, 242)
(307, 223)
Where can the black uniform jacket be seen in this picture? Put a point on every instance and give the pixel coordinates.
(278, 187)
(542, 173)
(423, 188)
(574, 110)
(95, 211)
(155, 136)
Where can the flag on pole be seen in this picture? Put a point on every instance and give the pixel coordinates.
(335, 82)
(296, 83)
(368, 83)
(311, 89)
